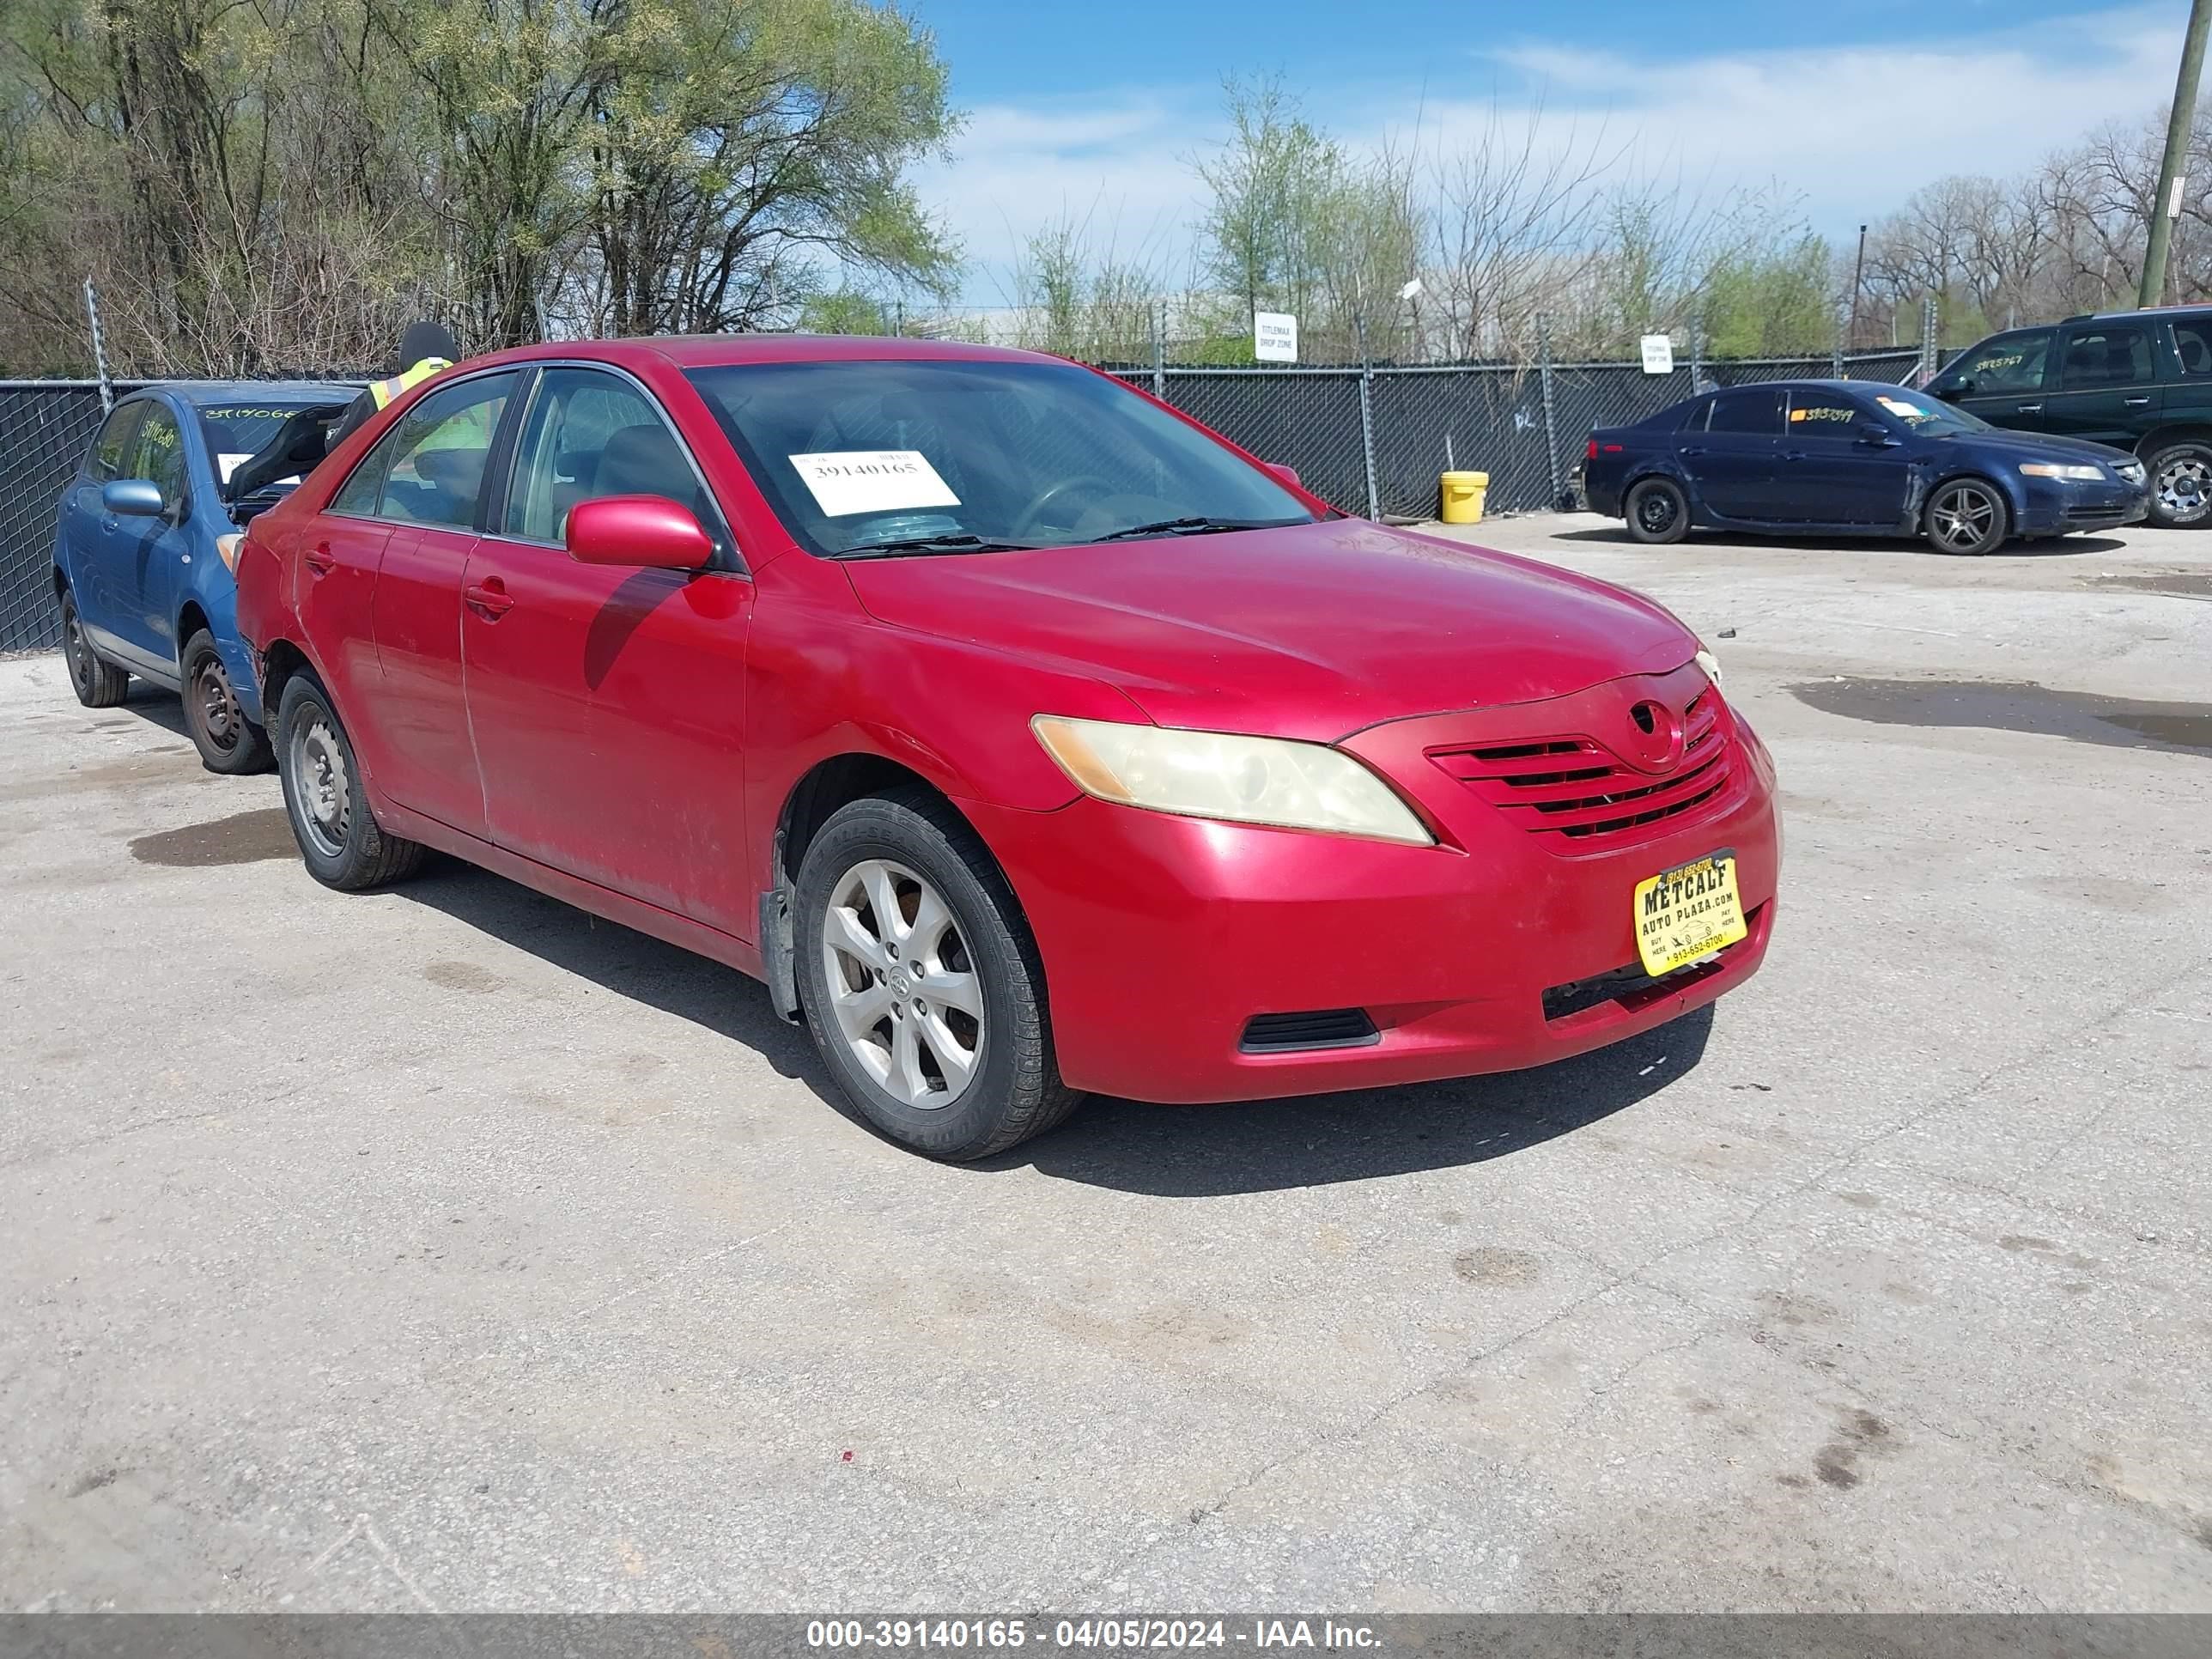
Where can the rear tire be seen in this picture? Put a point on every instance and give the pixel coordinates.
(1657, 510)
(97, 682)
(932, 1022)
(2180, 484)
(228, 742)
(340, 841)
(1965, 516)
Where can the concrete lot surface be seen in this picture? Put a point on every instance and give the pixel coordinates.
(443, 1248)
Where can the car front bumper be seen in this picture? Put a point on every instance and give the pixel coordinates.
(1163, 937)
(2054, 507)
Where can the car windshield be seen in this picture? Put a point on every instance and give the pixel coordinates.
(1924, 415)
(236, 432)
(904, 458)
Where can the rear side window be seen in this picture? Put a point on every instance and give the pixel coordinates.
(2193, 347)
(113, 444)
(2009, 363)
(2107, 355)
(1750, 410)
(1814, 414)
(429, 469)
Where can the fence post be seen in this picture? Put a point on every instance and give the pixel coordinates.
(1550, 424)
(1159, 316)
(1835, 357)
(99, 347)
(1929, 352)
(1697, 358)
(1367, 414)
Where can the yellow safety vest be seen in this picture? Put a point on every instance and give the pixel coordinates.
(385, 391)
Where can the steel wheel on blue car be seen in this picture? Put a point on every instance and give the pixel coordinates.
(1966, 515)
(920, 982)
(2181, 485)
(214, 719)
(1658, 511)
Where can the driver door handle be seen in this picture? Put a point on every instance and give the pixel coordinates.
(489, 597)
(2135, 403)
(319, 559)
(2031, 409)
(1688, 450)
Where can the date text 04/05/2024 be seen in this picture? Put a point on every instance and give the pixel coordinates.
(1132, 1632)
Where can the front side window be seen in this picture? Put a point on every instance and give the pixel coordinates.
(2009, 363)
(2107, 356)
(112, 447)
(158, 453)
(871, 458)
(1748, 411)
(590, 434)
(429, 468)
(1817, 414)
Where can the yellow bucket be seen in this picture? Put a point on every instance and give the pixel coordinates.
(1463, 494)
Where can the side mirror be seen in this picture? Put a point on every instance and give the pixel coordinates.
(1288, 474)
(1953, 393)
(647, 530)
(135, 498)
(1878, 437)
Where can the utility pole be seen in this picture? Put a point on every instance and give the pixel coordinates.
(2165, 206)
(1858, 281)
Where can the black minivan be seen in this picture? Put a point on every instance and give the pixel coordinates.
(2140, 380)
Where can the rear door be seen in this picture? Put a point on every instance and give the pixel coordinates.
(1835, 468)
(2108, 386)
(2003, 380)
(2188, 394)
(1733, 461)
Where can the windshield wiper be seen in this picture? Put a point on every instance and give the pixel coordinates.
(1193, 527)
(892, 549)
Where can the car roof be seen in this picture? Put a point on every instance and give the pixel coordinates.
(717, 350)
(203, 394)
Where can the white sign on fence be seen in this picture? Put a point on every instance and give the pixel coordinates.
(1658, 355)
(1274, 337)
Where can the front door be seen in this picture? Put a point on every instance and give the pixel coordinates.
(143, 552)
(2108, 384)
(86, 526)
(1733, 461)
(1835, 470)
(2005, 380)
(423, 485)
(608, 701)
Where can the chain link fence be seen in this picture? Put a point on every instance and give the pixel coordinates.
(1370, 440)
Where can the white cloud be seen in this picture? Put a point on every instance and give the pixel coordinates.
(1853, 130)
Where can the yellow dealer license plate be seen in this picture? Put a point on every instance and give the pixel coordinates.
(1688, 912)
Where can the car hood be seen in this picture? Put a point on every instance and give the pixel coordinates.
(2039, 447)
(1310, 631)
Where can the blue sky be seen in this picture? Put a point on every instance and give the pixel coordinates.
(1849, 106)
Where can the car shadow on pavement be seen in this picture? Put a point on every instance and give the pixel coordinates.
(156, 706)
(2047, 548)
(1267, 1146)
(1173, 1152)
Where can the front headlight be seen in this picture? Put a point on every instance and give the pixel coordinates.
(226, 547)
(1219, 775)
(2131, 470)
(1709, 665)
(2055, 470)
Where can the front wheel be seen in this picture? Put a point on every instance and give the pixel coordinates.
(228, 742)
(2180, 484)
(1965, 516)
(1658, 511)
(921, 983)
(340, 841)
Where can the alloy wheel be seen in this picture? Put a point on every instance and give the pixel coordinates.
(2185, 488)
(902, 986)
(1961, 517)
(322, 785)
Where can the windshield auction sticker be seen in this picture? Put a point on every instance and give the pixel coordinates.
(848, 481)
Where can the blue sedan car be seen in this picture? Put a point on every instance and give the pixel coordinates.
(145, 543)
(1847, 457)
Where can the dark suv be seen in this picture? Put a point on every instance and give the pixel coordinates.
(2137, 380)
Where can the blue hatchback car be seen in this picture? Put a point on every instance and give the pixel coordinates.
(145, 543)
(1852, 457)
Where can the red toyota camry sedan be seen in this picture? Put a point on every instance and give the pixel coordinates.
(1024, 736)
